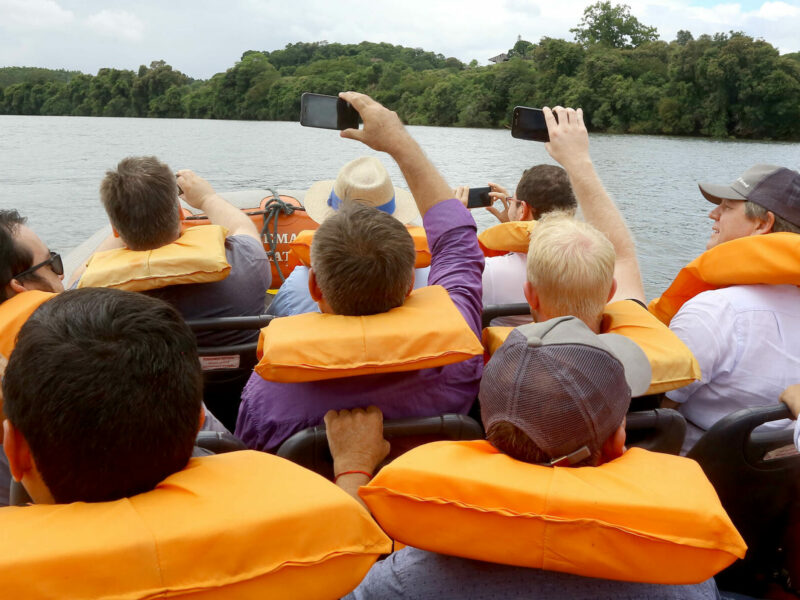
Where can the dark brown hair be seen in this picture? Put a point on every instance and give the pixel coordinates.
(363, 260)
(546, 188)
(140, 197)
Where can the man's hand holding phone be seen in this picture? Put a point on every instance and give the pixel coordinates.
(569, 140)
(383, 130)
(499, 193)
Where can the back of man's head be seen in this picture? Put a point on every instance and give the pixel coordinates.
(546, 188)
(555, 392)
(105, 386)
(363, 260)
(571, 265)
(14, 258)
(140, 197)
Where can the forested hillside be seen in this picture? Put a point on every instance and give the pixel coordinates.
(624, 77)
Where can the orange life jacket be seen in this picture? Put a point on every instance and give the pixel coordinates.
(13, 314)
(646, 516)
(426, 331)
(514, 236)
(773, 258)
(197, 256)
(301, 247)
(288, 228)
(238, 525)
(672, 363)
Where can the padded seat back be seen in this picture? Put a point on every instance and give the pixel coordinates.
(503, 310)
(226, 369)
(309, 447)
(658, 430)
(758, 492)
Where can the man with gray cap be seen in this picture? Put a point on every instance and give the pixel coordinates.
(746, 338)
(554, 394)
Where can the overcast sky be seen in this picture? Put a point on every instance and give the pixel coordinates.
(204, 37)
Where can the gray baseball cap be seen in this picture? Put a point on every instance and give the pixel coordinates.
(775, 188)
(563, 385)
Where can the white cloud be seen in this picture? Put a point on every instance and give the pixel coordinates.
(118, 24)
(772, 11)
(33, 15)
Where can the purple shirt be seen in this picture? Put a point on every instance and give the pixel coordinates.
(271, 412)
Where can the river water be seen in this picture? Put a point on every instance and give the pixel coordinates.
(51, 167)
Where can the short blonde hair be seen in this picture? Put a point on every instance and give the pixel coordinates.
(571, 265)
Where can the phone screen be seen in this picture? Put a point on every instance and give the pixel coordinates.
(529, 124)
(327, 112)
(479, 197)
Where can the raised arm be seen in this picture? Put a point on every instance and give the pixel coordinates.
(569, 145)
(199, 194)
(383, 131)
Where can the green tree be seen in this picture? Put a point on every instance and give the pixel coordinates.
(613, 26)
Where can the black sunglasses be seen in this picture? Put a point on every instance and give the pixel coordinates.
(55, 264)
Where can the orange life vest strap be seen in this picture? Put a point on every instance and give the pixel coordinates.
(773, 258)
(13, 314)
(646, 516)
(301, 247)
(237, 525)
(197, 256)
(672, 363)
(514, 236)
(426, 331)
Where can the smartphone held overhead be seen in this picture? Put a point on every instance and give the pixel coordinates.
(327, 112)
(529, 124)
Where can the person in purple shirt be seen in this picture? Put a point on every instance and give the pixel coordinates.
(270, 412)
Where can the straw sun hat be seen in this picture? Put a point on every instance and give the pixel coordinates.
(363, 180)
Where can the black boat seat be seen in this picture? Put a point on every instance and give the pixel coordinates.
(226, 369)
(309, 447)
(659, 430)
(759, 492)
(493, 311)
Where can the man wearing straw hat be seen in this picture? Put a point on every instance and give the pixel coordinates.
(366, 181)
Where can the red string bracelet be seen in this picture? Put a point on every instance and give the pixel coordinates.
(335, 479)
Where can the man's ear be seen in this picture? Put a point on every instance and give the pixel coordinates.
(613, 289)
(766, 224)
(528, 214)
(20, 459)
(313, 286)
(531, 295)
(614, 446)
(413, 281)
(114, 232)
(202, 418)
(16, 287)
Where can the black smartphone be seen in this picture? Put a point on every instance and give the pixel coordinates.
(479, 197)
(328, 112)
(529, 124)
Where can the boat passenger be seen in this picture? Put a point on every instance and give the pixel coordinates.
(541, 190)
(363, 180)
(93, 371)
(26, 263)
(746, 338)
(141, 199)
(362, 263)
(103, 401)
(554, 394)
